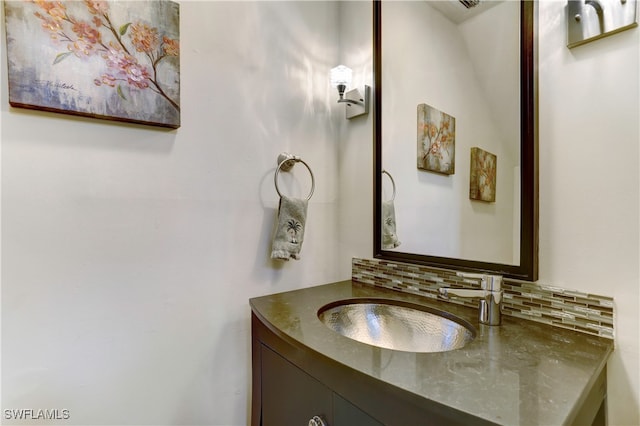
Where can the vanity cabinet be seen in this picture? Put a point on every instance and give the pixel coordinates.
(519, 373)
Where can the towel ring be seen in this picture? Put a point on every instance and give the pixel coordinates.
(393, 184)
(286, 162)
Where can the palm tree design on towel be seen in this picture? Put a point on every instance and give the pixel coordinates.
(293, 227)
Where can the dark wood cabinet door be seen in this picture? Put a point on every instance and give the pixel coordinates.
(291, 397)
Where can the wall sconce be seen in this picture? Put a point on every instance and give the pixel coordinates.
(589, 20)
(357, 100)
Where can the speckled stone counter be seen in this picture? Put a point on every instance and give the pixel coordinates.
(518, 373)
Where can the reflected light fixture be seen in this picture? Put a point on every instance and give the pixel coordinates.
(470, 3)
(356, 100)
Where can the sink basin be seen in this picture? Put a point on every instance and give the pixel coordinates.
(397, 325)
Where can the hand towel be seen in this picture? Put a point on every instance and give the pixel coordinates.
(389, 237)
(289, 234)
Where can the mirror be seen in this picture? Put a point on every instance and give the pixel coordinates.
(461, 191)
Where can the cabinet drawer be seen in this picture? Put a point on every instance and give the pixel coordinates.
(347, 414)
(289, 395)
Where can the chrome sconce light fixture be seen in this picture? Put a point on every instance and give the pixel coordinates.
(589, 20)
(356, 100)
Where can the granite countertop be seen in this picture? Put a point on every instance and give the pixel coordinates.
(521, 372)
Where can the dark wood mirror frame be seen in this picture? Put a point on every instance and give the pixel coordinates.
(528, 267)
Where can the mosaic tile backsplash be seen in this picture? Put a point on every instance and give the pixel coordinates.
(583, 312)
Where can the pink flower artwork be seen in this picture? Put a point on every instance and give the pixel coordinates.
(116, 60)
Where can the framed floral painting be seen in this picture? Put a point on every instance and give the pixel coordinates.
(115, 60)
(436, 140)
(482, 185)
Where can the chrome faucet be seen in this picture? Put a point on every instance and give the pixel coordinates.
(490, 295)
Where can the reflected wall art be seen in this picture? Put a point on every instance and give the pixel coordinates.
(482, 185)
(436, 140)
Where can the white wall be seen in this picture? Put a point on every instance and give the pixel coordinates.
(355, 147)
(589, 183)
(130, 253)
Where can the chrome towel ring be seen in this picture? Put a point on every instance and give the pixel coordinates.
(393, 184)
(285, 162)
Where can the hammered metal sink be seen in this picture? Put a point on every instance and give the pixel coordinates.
(397, 325)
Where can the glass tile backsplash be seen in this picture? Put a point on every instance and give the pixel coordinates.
(575, 310)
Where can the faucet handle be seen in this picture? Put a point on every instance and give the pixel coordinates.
(487, 281)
